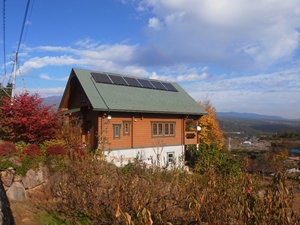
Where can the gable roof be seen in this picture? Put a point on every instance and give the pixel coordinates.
(110, 97)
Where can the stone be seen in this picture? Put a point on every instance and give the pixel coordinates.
(15, 160)
(18, 178)
(16, 192)
(7, 177)
(33, 178)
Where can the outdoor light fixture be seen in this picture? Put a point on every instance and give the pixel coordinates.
(109, 117)
(198, 128)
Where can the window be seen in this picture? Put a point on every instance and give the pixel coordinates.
(160, 129)
(117, 128)
(126, 127)
(167, 129)
(171, 157)
(163, 129)
(172, 129)
(154, 129)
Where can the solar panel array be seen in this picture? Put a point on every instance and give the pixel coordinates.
(101, 78)
(132, 82)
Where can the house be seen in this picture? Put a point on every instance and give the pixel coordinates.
(294, 152)
(138, 117)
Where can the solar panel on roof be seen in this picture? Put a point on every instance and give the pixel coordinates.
(146, 83)
(101, 78)
(169, 86)
(132, 82)
(118, 80)
(158, 85)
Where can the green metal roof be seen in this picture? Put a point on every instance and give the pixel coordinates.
(109, 97)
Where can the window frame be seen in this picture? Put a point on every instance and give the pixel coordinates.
(155, 129)
(117, 127)
(128, 123)
(170, 160)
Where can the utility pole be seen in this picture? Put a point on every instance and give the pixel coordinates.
(14, 78)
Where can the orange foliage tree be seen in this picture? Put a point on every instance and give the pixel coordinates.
(210, 132)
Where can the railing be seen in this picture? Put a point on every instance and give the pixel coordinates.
(190, 137)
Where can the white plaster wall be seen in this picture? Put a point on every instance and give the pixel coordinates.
(152, 155)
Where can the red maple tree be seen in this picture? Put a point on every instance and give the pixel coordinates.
(27, 119)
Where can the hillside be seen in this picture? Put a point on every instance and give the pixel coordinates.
(52, 100)
(255, 126)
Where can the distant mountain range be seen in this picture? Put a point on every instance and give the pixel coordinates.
(248, 115)
(56, 100)
(52, 100)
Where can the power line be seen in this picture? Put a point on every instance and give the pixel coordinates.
(16, 56)
(26, 28)
(4, 52)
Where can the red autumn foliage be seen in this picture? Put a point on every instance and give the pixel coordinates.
(32, 150)
(79, 152)
(56, 150)
(27, 119)
(7, 148)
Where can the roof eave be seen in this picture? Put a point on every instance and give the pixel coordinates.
(156, 112)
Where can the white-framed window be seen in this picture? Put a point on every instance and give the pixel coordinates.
(170, 157)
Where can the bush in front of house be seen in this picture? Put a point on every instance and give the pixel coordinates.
(32, 150)
(7, 148)
(78, 153)
(55, 150)
(135, 194)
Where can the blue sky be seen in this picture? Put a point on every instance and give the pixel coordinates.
(243, 55)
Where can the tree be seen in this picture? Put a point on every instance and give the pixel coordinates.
(210, 132)
(5, 91)
(27, 119)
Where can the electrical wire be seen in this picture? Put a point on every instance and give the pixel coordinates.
(4, 44)
(24, 20)
(26, 27)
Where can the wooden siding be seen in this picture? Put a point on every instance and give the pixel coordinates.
(140, 130)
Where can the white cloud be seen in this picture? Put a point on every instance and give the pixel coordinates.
(44, 76)
(271, 94)
(87, 43)
(231, 32)
(155, 23)
(45, 92)
(284, 104)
